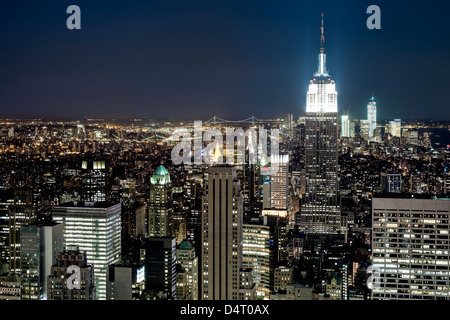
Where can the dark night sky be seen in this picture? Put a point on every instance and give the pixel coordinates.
(230, 58)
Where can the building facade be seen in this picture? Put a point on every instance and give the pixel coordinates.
(160, 207)
(411, 246)
(62, 271)
(96, 229)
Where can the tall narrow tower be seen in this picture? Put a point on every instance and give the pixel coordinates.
(160, 210)
(320, 212)
(372, 116)
(223, 277)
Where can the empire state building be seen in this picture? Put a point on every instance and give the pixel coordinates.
(320, 210)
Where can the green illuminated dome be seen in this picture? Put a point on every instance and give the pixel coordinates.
(161, 176)
(185, 245)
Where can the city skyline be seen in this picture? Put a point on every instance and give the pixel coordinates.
(322, 204)
(250, 60)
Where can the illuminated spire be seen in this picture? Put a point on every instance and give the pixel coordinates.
(322, 67)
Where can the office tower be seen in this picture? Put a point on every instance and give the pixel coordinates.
(251, 196)
(125, 282)
(159, 256)
(320, 212)
(345, 126)
(412, 137)
(265, 189)
(279, 182)
(257, 254)
(133, 219)
(160, 207)
(277, 221)
(62, 272)
(372, 116)
(188, 260)
(40, 244)
(94, 180)
(352, 129)
(364, 128)
(22, 212)
(94, 228)
(391, 182)
(410, 245)
(395, 128)
(6, 201)
(222, 219)
(289, 127)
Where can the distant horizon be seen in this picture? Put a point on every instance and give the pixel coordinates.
(131, 118)
(228, 58)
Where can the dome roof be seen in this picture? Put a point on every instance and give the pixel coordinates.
(185, 245)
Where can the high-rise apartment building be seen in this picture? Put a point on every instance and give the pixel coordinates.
(411, 246)
(320, 211)
(94, 228)
(160, 207)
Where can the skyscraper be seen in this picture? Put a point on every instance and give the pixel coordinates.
(189, 262)
(320, 212)
(159, 255)
(96, 230)
(279, 182)
(94, 175)
(6, 201)
(258, 255)
(372, 116)
(23, 212)
(410, 245)
(345, 126)
(125, 282)
(395, 128)
(222, 221)
(61, 271)
(160, 208)
(40, 244)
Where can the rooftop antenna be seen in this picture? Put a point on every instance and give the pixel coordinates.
(322, 37)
